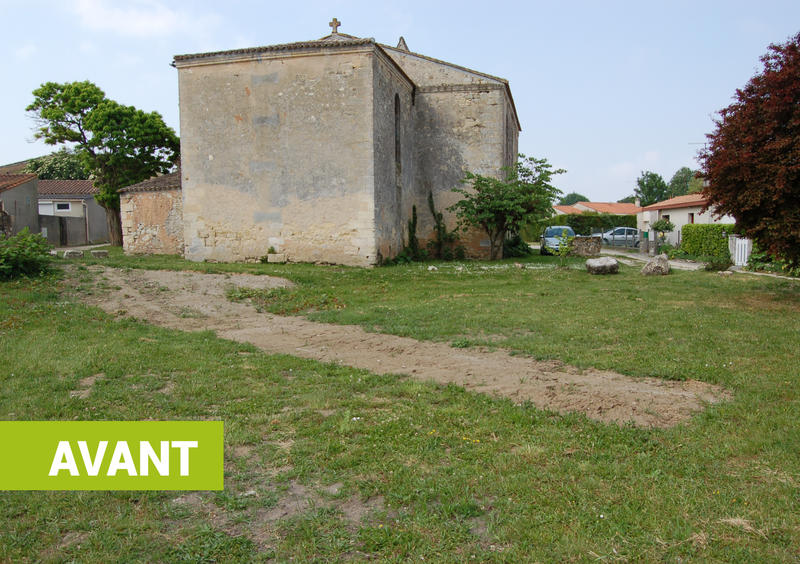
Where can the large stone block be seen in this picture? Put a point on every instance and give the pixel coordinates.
(602, 265)
(656, 265)
(73, 254)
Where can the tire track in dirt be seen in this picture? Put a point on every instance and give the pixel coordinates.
(192, 301)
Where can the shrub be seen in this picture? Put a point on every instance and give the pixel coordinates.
(677, 253)
(762, 261)
(716, 263)
(706, 240)
(515, 247)
(23, 254)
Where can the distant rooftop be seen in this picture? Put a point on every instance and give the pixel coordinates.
(171, 181)
(615, 208)
(9, 181)
(689, 200)
(71, 187)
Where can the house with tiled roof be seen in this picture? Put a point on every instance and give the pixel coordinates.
(565, 210)
(613, 208)
(18, 193)
(69, 214)
(680, 211)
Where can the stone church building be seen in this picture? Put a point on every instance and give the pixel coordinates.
(321, 148)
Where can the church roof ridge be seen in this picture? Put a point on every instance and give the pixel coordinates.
(502, 81)
(449, 64)
(325, 42)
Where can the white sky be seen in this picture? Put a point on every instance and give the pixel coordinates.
(603, 89)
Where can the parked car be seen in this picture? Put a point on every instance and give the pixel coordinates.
(551, 238)
(621, 237)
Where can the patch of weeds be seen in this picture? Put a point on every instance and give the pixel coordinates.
(286, 301)
(230, 501)
(191, 313)
(460, 343)
(208, 545)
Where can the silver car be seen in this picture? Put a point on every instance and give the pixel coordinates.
(621, 237)
(552, 237)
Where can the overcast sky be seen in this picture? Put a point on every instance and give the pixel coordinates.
(603, 89)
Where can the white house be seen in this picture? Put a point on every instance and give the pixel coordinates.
(680, 211)
(69, 214)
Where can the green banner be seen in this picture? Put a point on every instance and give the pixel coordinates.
(111, 455)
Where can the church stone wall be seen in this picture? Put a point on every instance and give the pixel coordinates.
(461, 125)
(459, 131)
(394, 186)
(277, 150)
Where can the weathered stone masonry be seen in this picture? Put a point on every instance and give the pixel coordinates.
(320, 149)
(152, 216)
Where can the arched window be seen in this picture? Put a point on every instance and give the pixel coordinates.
(398, 166)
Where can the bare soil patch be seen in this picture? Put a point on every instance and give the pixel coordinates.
(85, 386)
(195, 301)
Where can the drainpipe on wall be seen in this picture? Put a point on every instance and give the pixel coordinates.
(86, 221)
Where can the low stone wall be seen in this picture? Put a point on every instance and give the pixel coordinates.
(586, 246)
(152, 222)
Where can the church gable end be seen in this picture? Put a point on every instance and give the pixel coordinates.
(277, 152)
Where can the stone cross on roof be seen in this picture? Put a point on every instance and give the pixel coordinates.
(335, 25)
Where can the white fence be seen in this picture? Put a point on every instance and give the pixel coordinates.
(740, 249)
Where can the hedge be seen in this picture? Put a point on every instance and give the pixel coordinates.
(706, 240)
(586, 223)
(581, 223)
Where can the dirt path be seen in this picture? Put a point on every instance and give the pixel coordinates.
(194, 301)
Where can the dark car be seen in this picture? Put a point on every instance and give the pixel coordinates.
(552, 237)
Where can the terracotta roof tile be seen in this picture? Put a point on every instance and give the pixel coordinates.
(615, 208)
(689, 200)
(9, 181)
(567, 209)
(601, 207)
(53, 187)
(171, 181)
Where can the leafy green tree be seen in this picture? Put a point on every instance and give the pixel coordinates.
(500, 207)
(661, 227)
(752, 161)
(696, 184)
(680, 181)
(627, 200)
(64, 164)
(118, 145)
(572, 198)
(651, 188)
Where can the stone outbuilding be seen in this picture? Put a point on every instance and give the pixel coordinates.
(152, 216)
(321, 148)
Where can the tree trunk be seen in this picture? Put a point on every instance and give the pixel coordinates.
(114, 223)
(495, 249)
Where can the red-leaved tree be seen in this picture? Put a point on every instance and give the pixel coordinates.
(752, 161)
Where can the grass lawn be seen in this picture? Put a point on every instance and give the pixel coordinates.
(328, 463)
